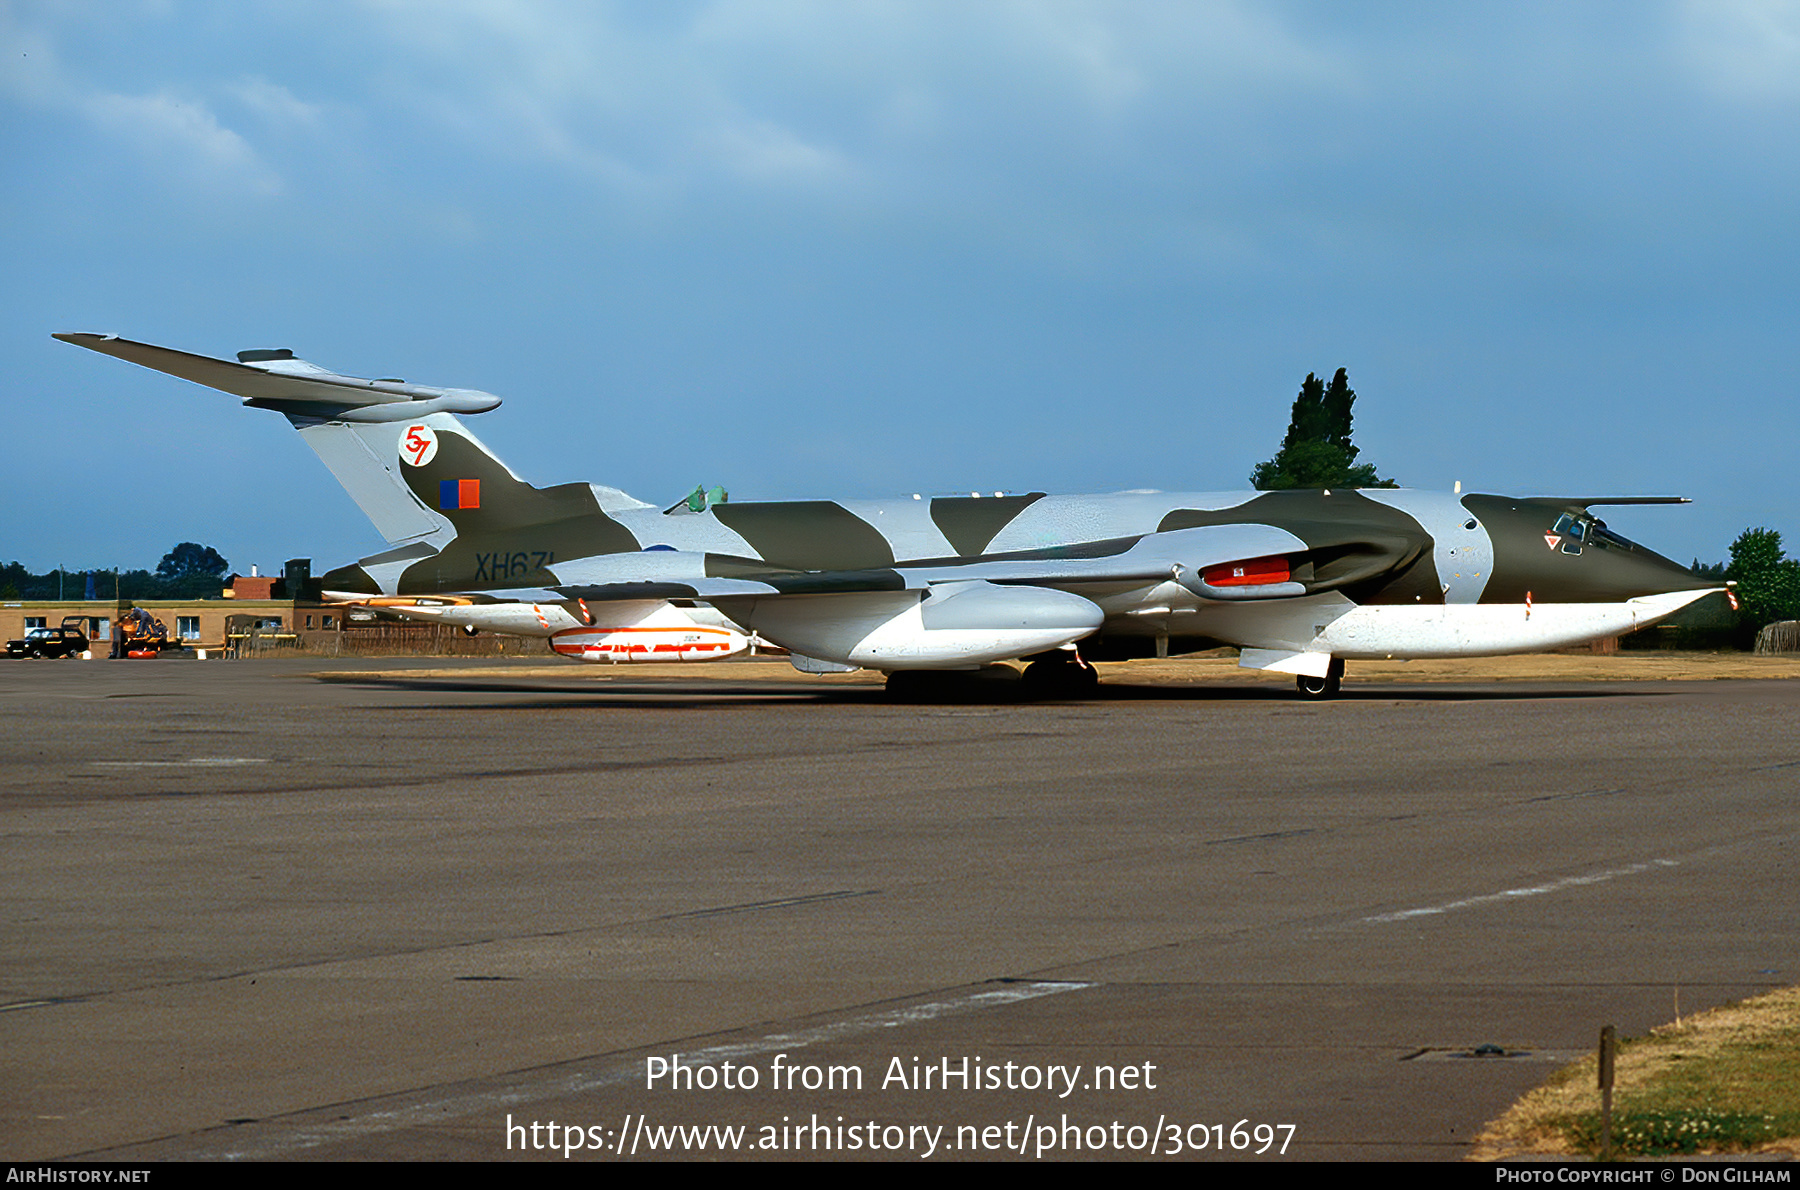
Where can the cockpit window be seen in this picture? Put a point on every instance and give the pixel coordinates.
(1573, 530)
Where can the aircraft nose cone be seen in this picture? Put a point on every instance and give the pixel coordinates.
(1625, 570)
(1530, 555)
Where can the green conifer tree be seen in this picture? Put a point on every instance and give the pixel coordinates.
(1317, 451)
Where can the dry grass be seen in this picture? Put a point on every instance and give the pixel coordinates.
(1722, 1082)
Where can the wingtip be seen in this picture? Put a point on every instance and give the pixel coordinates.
(77, 336)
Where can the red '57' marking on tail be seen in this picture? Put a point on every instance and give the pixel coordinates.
(418, 445)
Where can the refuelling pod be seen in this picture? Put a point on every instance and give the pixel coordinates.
(510, 619)
(625, 630)
(950, 626)
(645, 630)
(684, 641)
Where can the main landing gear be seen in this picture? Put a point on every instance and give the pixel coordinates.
(1325, 687)
(990, 683)
(1062, 675)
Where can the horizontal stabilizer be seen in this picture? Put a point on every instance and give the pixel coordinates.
(276, 380)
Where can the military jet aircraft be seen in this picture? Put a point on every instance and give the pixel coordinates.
(1298, 581)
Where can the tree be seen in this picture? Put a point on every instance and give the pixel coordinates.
(190, 570)
(1768, 584)
(1317, 452)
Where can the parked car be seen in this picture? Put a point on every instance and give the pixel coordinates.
(66, 641)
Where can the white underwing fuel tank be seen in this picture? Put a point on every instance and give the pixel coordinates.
(950, 626)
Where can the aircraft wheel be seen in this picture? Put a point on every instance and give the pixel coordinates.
(1325, 687)
(990, 683)
(1055, 678)
(918, 685)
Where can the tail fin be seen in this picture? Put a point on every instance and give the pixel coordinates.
(460, 516)
(369, 460)
(361, 429)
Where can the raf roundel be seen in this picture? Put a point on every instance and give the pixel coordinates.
(418, 446)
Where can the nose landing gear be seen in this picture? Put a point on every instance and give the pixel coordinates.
(1325, 687)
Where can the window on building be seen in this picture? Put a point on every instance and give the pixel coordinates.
(99, 628)
(331, 621)
(35, 622)
(187, 627)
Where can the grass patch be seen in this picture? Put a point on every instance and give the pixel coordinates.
(1727, 1081)
(1667, 1132)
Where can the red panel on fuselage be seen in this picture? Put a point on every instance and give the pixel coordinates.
(1253, 573)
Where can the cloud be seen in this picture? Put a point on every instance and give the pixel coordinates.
(181, 132)
(809, 93)
(275, 103)
(1745, 49)
(639, 106)
(762, 151)
(171, 128)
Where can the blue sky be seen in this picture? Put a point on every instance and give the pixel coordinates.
(868, 249)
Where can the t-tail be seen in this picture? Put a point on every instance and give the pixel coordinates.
(453, 512)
